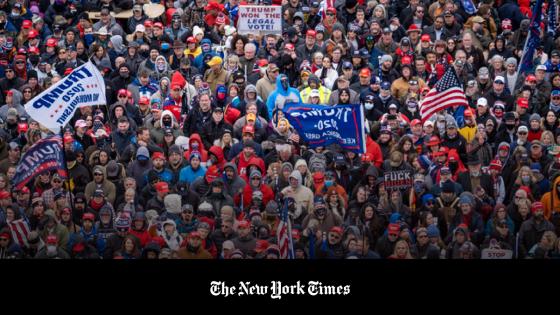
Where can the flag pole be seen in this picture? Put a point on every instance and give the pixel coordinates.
(65, 165)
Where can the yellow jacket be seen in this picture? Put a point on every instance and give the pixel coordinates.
(468, 133)
(324, 94)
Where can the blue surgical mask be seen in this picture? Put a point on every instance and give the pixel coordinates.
(329, 183)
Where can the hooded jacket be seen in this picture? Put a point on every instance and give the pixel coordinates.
(233, 186)
(201, 148)
(142, 233)
(157, 132)
(265, 87)
(303, 196)
(174, 239)
(281, 96)
(261, 106)
(551, 200)
(107, 186)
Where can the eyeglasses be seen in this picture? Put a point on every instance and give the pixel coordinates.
(522, 133)
(331, 14)
(97, 174)
(121, 96)
(255, 178)
(3, 239)
(517, 197)
(556, 98)
(19, 62)
(27, 91)
(422, 236)
(8, 70)
(57, 181)
(334, 236)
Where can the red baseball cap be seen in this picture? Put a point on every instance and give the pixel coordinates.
(365, 72)
(191, 39)
(32, 34)
(148, 23)
(52, 239)
(248, 129)
(244, 224)
(523, 102)
(26, 24)
(4, 194)
(415, 122)
(336, 229)
(406, 60)
(331, 9)
(425, 38)
(393, 228)
(144, 100)
(88, 216)
(158, 24)
(158, 155)
(161, 187)
(289, 46)
(311, 33)
(34, 50)
(51, 42)
(531, 77)
(537, 206)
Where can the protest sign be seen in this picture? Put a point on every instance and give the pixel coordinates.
(491, 253)
(264, 19)
(54, 107)
(321, 125)
(398, 180)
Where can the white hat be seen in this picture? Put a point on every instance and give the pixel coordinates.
(428, 123)
(197, 30)
(314, 93)
(500, 79)
(140, 28)
(482, 101)
(541, 67)
(103, 31)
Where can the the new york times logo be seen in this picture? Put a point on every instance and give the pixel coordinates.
(276, 289)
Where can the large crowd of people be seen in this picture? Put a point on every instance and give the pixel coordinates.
(192, 156)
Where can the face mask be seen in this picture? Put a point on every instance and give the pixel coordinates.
(15, 14)
(453, 166)
(194, 146)
(51, 250)
(510, 127)
(369, 106)
(418, 187)
(526, 179)
(475, 174)
(539, 216)
(143, 162)
(192, 248)
(161, 66)
(216, 195)
(452, 136)
(393, 27)
(441, 126)
(329, 183)
(125, 75)
(144, 53)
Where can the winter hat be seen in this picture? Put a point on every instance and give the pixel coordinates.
(172, 203)
(433, 231)
(195, 154)
(175, 149)
(142, 154)
(496, 165)
(465, 199)
(122, 222)
(448, 187)
(205, 206)
(462, 228)
(212, 173)
(535, 116)
(254, 173)
(426, 198)
(537, 206)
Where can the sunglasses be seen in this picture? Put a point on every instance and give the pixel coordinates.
(556, 98)
(57, 181)
(331, 14)
(8, 71)
(422, 236)
(3, 239)
(27, 91)
(97, 174)
(121, 96)
(522, 133)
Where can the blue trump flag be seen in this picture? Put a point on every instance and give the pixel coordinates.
(533, 40)
(321, 125)
(45, 155)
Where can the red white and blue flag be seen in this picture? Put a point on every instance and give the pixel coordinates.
(533, 40)
(45, 155)
(447, 92)
(284, 234)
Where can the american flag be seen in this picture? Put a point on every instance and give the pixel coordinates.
(552, 16)
(533, 40)
(284, 234)
(446, 92)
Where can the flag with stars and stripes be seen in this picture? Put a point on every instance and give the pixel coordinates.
(447, 92)
(552, 16)
(284, 233)
(533, 39)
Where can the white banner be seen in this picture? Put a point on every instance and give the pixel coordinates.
(264, 19)
(56, 106)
